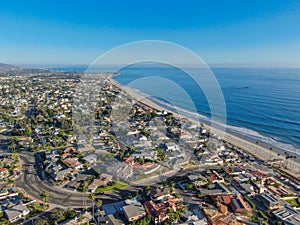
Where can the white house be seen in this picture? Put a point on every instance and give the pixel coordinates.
(171, 146)
(16, 212)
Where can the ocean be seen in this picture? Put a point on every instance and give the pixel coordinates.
(261, 103)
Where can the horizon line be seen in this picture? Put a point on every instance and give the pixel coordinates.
(212, 65)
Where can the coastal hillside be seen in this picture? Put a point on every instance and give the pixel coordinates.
(11, 70)
(5, 67)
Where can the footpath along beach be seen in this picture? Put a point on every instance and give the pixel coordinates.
(255, 147)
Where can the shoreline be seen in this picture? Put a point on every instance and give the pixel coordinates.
(248, 144)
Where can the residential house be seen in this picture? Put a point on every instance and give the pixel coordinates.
(287, 215)
(72, 163)
(102, 181)
(120, 169)
(220, 216)
(100, 217)
(87, 217)
(52, 167)
(115, 208)
(258, 174)
(114, 220)
(151, 155)
(134, 212)
(194, 217)
(159, 211)
(242, 178)
(238, 205)
(52, 156)
(91, 159)
(74, 184)
(16, 212)
(140, 145)
(6, 193)
(71, 150)
(3, 172)
(197, 180)
(247, 189)
(279, 191)
(215, 189)
(159, 193)
(212, 159)
(60, 175)
(269, 200)
(171, 146)
(234, 171)
(215, 177)
(235, 202)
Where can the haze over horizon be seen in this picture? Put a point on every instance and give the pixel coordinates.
(256, 34)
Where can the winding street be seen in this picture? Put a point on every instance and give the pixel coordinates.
(32, 182)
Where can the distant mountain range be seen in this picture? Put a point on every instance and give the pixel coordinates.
(8, 67)
(11, 70)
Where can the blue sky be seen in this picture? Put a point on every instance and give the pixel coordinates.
(224, 33)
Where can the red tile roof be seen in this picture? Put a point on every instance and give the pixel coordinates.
(2, 169)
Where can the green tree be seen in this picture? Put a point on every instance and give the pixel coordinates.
(141, 160)
(13, 146)
(80, 218)
(28, 130)
(4, 221)
(98, 204)
(41, 221)
(92, 198)
(15, 156)
(70, 213)
(58, 216)
(10, 182)
(45, 197)
(164, 183)
(190, 186)
(172, 186)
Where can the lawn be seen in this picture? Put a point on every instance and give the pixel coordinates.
(37, 207)
(293, 202)
(115, 186)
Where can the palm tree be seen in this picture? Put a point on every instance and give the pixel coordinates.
(279, 162)
(177, 214)
(13, 146)
(172, 186)
(15, 156)
(164, 183)
(93, 197)
(80, 218)
(287, 155)
(180, 211)
(98, 204)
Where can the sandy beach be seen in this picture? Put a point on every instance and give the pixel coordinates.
(248, 144)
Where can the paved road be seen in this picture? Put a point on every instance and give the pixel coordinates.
(4, 142)
(33, 184)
